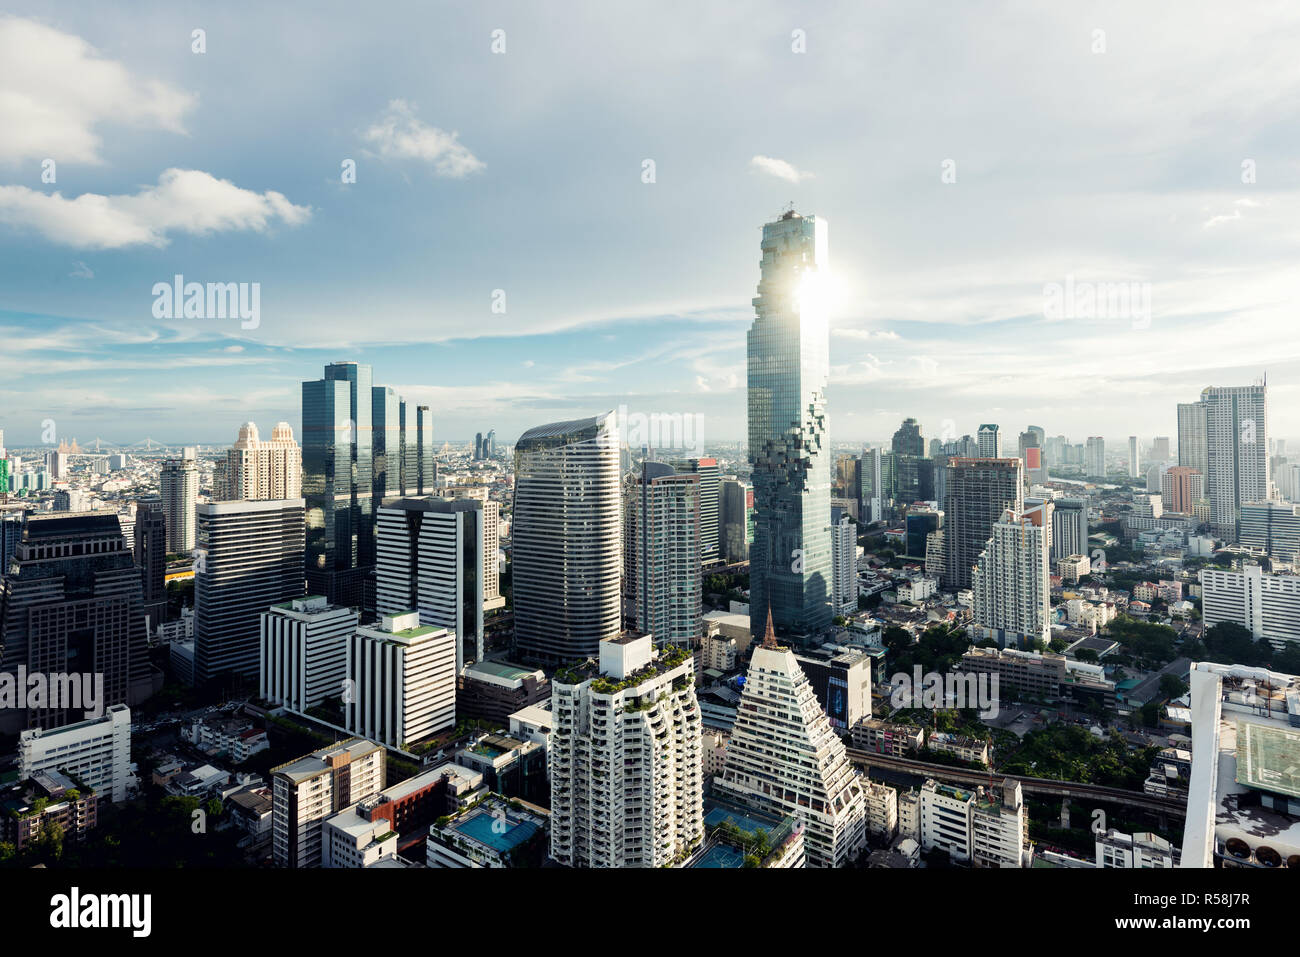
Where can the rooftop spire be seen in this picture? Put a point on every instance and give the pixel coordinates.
(769, 636)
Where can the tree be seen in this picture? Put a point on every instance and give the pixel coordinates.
(1171, 686)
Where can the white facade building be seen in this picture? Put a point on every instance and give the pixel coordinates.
(402, 680)
(1267, 605)
(304, 652)
(1012, 580)
(254, 469)
(315, 787)
(625, 758)
(97, 750)
(844, 567)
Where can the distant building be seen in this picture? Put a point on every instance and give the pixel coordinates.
(179, 484)
(256, 469)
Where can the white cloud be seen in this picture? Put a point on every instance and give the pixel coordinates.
(81, 271)
(399, 134)
(778, 168)
(184, 201)
(55, 89)
(864, 334)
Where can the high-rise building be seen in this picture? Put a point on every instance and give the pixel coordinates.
(990, 442)
(1012, 581)
(1192, 437)
(319, 785)
(386, 440)
(1274, 527)
(402, 680)
(908, 439)
(149, 544)
(710, 481)
(1266, 605)
(625, 758)
(253, 469)
(179, 485)
(248, 558)
(426, 475)
(1069, 528)
(1094, 463)
(1181, 488)
(1236, 422)
(1133, 464)
(338, 482)
(844, 566)
(97, 750)
(979, 491)
(788, 350)
(72, 606)
(873, 493)
(478, 446)
(430, 559)
(1160, 448)
(304, 652)
(736, 518)
(567, 551)
(11, 530)
(490, 444)
(492, 597)
(666, 527)
(785, 759)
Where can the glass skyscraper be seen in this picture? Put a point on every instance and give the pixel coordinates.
(338, 481)
(789, 449)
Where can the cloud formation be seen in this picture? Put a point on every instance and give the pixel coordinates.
(778, 168)
(400, 134)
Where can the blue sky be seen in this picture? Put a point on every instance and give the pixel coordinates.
(1102, 158)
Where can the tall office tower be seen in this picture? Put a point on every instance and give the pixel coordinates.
(179, 485)
(710, 480)
(919, 524)
(567, 556)
(492, 597)
(1095, 457)
(736, 516)
(848, 476)
(1274, 527)
(666, 528)
(1236, 422)
(873, 493)
(319, 785)
(253, 469)
(626, 758)
(990, 442)
(1031, 454)
(1181, 488)
(490, 443)
(1069, 528)
(248, 558)
(430, 559)
(1133, 464)
(979, 491)
(1054, 450)
(72, 605)
(303, 652)
(908, 439)
(150, 552)
(478, 446)
(1160, 448)
(426, 474)
(1012, 580)
(844, 566)
(338, 482)
(403, 680)
(1285, 476)
(56, 463)
(386, 443)
(788, 348)
(1193, 440)
(785, 759)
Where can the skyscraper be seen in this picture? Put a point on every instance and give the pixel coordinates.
(1236, 421)
(402, 678)
(785, 759)
(666, 527)
(430, 559)
(710, 479)
(1069, 527)
(179, 485)
(1192, 438)
(248, 558)
(567, 557)
(979, 491)
(1133, 464)
(990, 442)
(1012, 579)
(844, 575)
(253, 469)
(626, 758)
(426, 474)
(150, 549)
(1094, 463)
(908, 439)
(736, 518)
(386, 443)
(1181, 488)
(304, 652)
(338, 482)
(72, 605)
(788, 362)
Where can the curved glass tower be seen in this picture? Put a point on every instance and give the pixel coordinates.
(567, 559)
(789, 449)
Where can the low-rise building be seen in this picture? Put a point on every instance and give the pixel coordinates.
(1073, 567)
(493, 690)
(1145, 849)
(883, 737)
(960, 746)
(97, 751)
(496, 832)
(47, 799)
(513, 767)
(882, 809)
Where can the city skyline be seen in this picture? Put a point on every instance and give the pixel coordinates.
(653, 319)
